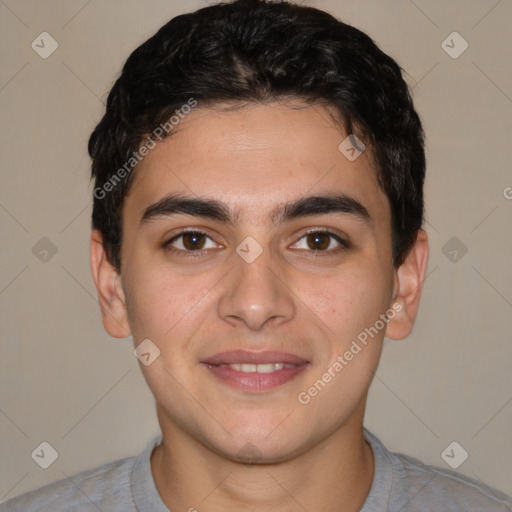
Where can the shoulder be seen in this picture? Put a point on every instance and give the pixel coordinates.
(405, 484)
(448, 490)
(106, 488)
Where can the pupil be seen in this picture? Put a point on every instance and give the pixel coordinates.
(193, 241)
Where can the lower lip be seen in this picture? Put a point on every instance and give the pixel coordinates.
(254, 381)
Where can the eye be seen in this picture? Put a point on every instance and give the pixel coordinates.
(321, 241)
(190, 241)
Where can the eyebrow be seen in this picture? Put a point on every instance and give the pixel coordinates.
(216, 210)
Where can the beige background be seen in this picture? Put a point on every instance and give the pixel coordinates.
(65, 381)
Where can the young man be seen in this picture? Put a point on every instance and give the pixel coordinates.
(257, 229)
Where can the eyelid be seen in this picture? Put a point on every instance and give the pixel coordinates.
(184, 231)
(339, 237)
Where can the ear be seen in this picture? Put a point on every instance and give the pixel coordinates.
(110, 292)
(409, 279)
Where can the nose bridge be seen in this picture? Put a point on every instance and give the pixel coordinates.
(254, 292)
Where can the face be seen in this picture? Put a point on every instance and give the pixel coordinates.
(254, 255)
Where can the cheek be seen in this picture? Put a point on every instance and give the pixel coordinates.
(161, 303)
(350, 304)
(347, 301)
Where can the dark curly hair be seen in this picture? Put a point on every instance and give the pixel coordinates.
(257, 51)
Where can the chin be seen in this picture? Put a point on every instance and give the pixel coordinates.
(257, 446)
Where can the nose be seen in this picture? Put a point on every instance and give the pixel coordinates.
(256, 294)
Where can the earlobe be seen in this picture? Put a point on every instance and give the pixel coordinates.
(408, 285)
(110, 292)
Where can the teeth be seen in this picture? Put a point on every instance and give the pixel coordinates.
(259, 368)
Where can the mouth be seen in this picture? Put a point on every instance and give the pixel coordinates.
(255, 371)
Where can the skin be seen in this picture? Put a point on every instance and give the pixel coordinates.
(294, 298)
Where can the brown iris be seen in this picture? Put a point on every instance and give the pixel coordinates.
(318, 241)
(193, 241)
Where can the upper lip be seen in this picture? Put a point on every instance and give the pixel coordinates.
(244, 356)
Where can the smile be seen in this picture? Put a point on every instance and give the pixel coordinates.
(259, 368)
(255, 371)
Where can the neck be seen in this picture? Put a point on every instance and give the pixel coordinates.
(335, 475)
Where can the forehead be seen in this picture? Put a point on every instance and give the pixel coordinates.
(254, 159)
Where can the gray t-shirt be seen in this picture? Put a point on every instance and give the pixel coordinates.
(400, 484)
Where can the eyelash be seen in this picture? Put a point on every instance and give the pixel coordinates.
(344, 244)
(181, 252)
(317, 253)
